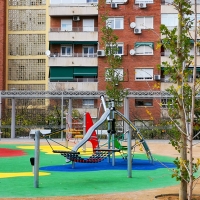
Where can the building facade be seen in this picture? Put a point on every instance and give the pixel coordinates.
(137, 26)
(2, 43)
(57, 45)
(26, 44)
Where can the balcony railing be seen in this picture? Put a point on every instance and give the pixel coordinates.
(71, 1)
(165, 54)
(89, 55)
(166, 80)
(83, 80)
(75, 29)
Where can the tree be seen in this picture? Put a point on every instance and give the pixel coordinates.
(183, 105)
(113, 75)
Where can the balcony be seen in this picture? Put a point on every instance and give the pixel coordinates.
(76, 85)
(84, 34)
(71, 9)
(64, 2)
(75, 59)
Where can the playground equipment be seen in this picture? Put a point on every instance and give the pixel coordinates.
(113, 144)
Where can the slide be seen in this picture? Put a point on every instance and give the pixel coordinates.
(142, 141)
(93, 139)
(91, 130)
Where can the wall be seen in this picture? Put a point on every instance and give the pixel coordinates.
(2, 43)
(129, 62)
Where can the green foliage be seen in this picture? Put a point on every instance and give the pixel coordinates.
(178, 42)
(114, 87)
(181, 169)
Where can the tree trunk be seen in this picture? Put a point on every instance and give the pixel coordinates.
(183, 155)
(183, 138)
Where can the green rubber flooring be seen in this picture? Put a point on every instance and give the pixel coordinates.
(68, 183)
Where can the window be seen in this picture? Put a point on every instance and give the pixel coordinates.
(66, 51)
(144, 22)
(116, 1)
(88, 51)
(143, 102)
(92, 1)
(192, 19)
(88, 103)
(143, 123)
(192, 50)
(115, 22)
(144, 48)
(190, 77)
(88, 24)
(66, 25)
(169, 20)
(142, 1)
(165, 102)
(116, 50)
(144, 74)
(118, 74)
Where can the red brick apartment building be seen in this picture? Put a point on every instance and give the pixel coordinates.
(136, 23)
(2, 43)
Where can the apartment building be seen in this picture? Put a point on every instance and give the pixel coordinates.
(169, 17)
(136, 23)
(26, 45)
(2, 43)
(73, 39)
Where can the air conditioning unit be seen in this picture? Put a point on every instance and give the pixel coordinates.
(142, 5)
(76, 18)
(100, 53)
(157, 77)
(114, 5)
(137, 31)
(132, 52)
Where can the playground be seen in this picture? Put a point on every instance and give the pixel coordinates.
(89, 167)
(57, 180)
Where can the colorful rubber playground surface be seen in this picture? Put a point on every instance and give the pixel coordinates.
(57, 178)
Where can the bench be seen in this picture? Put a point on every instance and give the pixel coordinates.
(43, 131)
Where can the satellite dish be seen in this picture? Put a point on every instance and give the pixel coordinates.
(133, 24)
(132, 52)
(47, 52)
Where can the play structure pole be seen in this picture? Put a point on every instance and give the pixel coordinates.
(127, 128)
(109, 135)
(129, 159)
(113, 130)
(109, 124)
(126, 114)
(37, 155)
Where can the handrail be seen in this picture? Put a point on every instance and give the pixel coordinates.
(74, 29)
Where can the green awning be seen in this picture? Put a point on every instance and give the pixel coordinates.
(85, 71)
(197, 69)
(138, 44)
(191, 68)
(61, 74)
(192, 41)
(73, 42)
